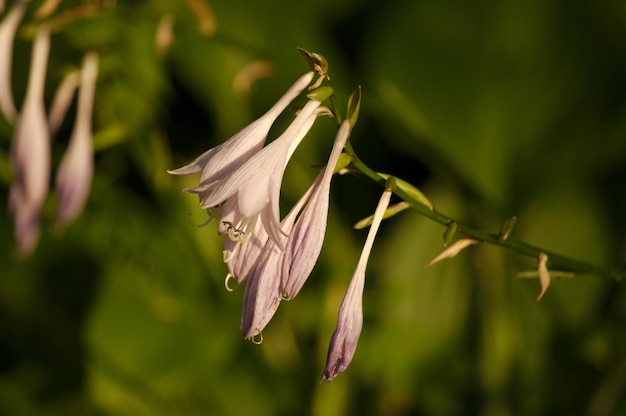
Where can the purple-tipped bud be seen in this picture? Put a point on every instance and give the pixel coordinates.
(350, 321)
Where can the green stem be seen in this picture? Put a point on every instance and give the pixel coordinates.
(556, 261)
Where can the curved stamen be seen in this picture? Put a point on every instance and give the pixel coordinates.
(257, 338)
(194, 224)
(229, 278)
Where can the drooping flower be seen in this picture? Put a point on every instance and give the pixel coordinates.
(277, 274)
(231, 154)
(305, 240)
(350, 321)
(76, 170)
(30, 152)
(256, 183)
(263, 293)
(8, 27)
(225, 160)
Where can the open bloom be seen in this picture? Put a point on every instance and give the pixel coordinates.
(275, 274)
(231, 154)
(226, 161)
(256, 183)
(30, 153)
(76, 169)
(263, 292)
(350, 321)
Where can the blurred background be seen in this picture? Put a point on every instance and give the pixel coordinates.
(492, 108)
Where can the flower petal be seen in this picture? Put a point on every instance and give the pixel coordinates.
(261, 297)
(30, 152)
(76, 169)
(256, 174)
(306, 239)
(235, 151)
(350, 321)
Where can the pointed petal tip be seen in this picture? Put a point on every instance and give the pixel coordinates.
(185, 170)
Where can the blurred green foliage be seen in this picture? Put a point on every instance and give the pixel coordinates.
(493, 108)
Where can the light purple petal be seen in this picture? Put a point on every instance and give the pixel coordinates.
(76, 169)
(261, 297)
(30, 153)
(350, 320)
(235, 151)
(305, 240)
(258, 171)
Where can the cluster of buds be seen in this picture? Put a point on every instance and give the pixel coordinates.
(34, 129)
(273, 257)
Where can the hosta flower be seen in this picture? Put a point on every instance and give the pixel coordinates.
(231, 154)
(76, 170)
(256, 183)
(263, 293)
(305, 240)
(350, 321)
(8, 27)
(277, 274)
(30, 152)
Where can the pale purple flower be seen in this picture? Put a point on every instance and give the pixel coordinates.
(263, 295)
(350, 321)
(231, 154)
(305, 240)
(76, 170)
(8, 27)
(223, 161)
(256, 183)
(276, 274)
(30, 152)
